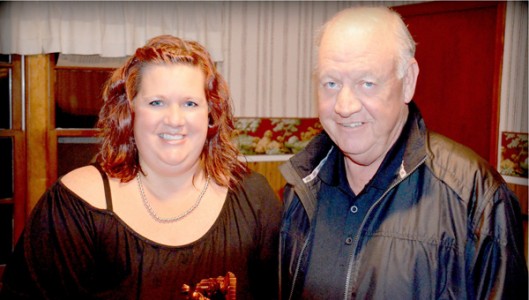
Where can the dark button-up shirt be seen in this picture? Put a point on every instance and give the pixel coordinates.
(339, 215)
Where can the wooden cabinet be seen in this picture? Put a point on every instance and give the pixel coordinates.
(78, 99)
(45, 131)
(13, 170)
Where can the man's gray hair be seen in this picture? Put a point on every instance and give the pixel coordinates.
(406, 44)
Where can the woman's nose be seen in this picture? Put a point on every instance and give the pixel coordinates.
(174, 115)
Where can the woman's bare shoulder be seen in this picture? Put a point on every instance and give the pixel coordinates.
(87, 183)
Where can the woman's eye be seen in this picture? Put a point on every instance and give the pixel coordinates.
(155, 103)
(190, 104)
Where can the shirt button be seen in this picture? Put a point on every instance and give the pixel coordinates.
(349, 241)
(354, 209)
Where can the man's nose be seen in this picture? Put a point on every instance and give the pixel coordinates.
(347, 103)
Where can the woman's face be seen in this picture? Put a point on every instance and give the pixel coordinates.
(171, 118)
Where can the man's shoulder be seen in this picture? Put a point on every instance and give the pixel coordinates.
(446, 151)
(313, 154)
(459, 166)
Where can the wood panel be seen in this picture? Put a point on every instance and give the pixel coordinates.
(521, 192)
(38, 125)
(459, 51)
(270, 170)
(78, 96)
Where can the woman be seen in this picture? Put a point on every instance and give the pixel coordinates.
(167, 203)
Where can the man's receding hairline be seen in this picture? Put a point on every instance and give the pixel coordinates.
(363, 16)
(373, 17)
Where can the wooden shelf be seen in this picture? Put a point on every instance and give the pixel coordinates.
(76, 132)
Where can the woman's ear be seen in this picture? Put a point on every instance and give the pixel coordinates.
(410, 80)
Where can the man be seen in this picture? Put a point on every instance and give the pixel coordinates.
(378, 207)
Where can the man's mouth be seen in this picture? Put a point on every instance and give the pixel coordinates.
(352, 125)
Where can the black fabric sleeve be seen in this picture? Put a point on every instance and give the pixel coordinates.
(53, 257)
(264, 267)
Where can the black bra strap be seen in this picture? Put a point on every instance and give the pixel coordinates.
(108, 195)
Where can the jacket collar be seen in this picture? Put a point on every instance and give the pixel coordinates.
(302, 169)
(415, 151)
(308, 162)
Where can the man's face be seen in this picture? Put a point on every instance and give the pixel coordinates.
(361, 100)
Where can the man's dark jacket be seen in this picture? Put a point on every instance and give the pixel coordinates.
(447, 228)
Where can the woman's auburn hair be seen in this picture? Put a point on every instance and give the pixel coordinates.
(118, 154)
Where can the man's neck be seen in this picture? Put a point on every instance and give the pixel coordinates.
(359, 175)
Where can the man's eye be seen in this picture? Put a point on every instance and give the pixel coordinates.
(369, 84)
(331, 85)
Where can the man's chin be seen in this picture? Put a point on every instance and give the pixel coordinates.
(361, 157)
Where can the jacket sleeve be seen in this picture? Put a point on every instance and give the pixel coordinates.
(496, 266)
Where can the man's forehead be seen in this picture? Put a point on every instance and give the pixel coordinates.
(360, 22)
(362, 61)
(355, 43)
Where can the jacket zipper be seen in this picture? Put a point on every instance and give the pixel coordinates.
(355, 244)
(297, 268)
(298, 264)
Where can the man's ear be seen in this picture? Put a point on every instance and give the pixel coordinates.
(410, 80)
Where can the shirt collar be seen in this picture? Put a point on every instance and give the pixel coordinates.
(334, 173)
